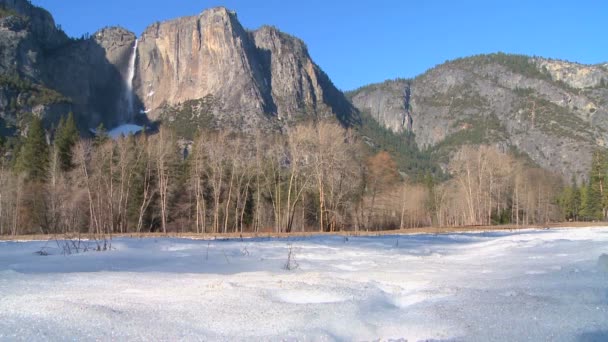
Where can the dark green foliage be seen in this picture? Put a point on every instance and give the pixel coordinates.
(402, 147)
(570, 201)
(519, 64)
(35, 94)
(556, 120)
(376, 86)
(33, 158)
(502, 217)
(431, 204)
(523, 92)
(6, 12)
(66, 137)
(592, 209)
(101, 135)
(189, 117)
(142, 179)
(594, 201)
(472, 131)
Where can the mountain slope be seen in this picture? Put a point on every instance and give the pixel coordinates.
(555, 112)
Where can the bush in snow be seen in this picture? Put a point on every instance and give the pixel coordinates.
(291, 263)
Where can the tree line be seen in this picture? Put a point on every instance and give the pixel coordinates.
(313, 177)
(588, 202)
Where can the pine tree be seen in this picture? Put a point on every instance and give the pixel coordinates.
(431, 204)
(33, 159)
(575, 201)
(570, 201)
(101, 135)
(584, 203)
(598, 177)
(593, 201)
(66, 138)
(592, 206)
(565, 202)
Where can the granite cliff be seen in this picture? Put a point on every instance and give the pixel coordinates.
(204, 70)
(232, 77)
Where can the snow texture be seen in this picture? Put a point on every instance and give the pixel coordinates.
(124, 130)
(536, 285)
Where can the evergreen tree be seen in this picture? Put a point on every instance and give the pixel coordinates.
(575, 201)
(66, 138)
(565, 202)
(584, 203)
(597, 194)
(101, 135)
(592, 209)
(570, 201)
(431, 205)
(33, 158)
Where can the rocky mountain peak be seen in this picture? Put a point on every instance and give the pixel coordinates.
(249, 79)
(271, 38)
(40, 22)
(575, 75)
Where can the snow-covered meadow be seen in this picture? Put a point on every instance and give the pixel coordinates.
(537, 285)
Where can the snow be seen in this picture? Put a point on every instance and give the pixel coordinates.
(121, 131)
(533, 285)
(124, 130)
(602, 263)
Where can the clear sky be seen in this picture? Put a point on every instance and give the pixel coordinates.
(359, 42)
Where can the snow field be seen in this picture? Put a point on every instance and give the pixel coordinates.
(495, 286)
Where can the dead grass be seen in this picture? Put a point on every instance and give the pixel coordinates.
(422, 230)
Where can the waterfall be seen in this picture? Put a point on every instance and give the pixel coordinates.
(407, 120)
(129, 80)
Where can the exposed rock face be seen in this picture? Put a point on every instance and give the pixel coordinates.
(255, 78)
(57, 74)
(189, 58)
(385, 103)
(555, 112)
(206, 65)
(25, 36)
(93, 72)
(26, 33)
(575, 75)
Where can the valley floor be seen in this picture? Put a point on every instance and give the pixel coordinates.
(479, 286)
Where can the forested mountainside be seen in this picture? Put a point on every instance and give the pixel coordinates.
(555, 112)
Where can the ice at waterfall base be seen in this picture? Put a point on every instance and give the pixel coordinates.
(537, 285)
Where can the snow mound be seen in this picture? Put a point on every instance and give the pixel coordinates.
(308, 297)
(124, 130)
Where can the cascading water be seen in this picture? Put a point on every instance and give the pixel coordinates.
(126, 126)
(129, 88)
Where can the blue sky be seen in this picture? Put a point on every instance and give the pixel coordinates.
(362, 42)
